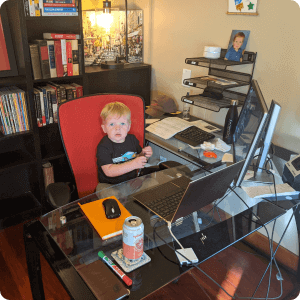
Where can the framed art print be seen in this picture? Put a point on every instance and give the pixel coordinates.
(242, 7)
(8, 66)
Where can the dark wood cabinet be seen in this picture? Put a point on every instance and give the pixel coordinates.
(132, 79)
(22, 190)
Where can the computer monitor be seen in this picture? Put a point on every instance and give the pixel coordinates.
(268, 135)
(250, 126)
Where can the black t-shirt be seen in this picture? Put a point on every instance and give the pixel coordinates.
(109, 152)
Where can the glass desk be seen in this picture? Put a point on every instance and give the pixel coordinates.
(183, 150)
(67, 246)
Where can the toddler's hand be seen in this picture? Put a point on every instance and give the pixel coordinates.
(147, 151)
(140, 162)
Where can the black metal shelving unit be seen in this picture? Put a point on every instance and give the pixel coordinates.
(218, 69)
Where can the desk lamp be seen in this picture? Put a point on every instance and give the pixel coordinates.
(117, 64)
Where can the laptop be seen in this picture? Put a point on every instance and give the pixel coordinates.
(181, 196)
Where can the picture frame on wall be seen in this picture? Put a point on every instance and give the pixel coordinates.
(242, 7)
(8, 66)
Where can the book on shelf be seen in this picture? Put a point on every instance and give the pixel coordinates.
(69, 57)
(58, 1)
(44, 58)
(62, 4)
(44, 100)
(5, 114)
(49, 103)
(13, 111)
(51, 53)
(60, 9)
(48, 174)
(2, 129)
(60, 14)
(10, 111)
(31, 8)
(35, 61)
(38, 6)
(79, 89)
(60, 92)
(75, 57)
(60, 36)
(52, 91)
(58, 58)
(17, 110)
(38, 110)
(80, 57)
(26, 8)
(22, 98)
(70, 91)
(106, 228)
(64, 56)
(40, 97)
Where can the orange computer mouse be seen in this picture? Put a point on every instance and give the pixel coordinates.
(210, 154)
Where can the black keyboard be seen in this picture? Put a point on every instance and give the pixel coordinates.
(166, 205)
(194, 136)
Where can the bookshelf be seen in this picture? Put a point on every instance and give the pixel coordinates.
(23, 154)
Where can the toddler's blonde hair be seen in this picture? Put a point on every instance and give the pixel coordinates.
(115, 108)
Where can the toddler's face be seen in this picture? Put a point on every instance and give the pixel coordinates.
(116, 128)
(237, 43)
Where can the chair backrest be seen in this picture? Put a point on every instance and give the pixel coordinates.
(80, 128)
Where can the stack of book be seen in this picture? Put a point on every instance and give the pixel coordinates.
(37, 8)
(13, 110)
(47, 97)
(57, 55)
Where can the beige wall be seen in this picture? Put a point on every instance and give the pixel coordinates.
(175, 30)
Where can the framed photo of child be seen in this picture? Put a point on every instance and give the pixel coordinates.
(237, 45)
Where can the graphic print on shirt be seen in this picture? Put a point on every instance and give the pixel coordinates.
(124, 157)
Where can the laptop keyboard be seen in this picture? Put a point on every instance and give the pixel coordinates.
(166, 205)
(194, 136)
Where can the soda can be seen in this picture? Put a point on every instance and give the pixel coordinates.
(133, 238)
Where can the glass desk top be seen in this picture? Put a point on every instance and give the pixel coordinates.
(208, 231)
(185, 151)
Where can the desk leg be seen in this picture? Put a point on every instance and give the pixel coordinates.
(34, 267)
(297, 219)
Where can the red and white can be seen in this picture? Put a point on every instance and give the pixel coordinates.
(133, 238)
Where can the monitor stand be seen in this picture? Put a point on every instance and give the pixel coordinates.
(264, 177)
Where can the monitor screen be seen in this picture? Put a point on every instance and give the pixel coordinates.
(267, 135)
(249, 129)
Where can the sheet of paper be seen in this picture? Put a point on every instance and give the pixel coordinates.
(150, 121)
(268, 190)
(168, 127)
(205, 126)
(218, 80)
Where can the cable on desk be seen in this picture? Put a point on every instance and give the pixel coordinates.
(271, 250)
(270, 240)
(155, 233)
(233, 297)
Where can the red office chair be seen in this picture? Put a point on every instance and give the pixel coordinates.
(80, 128)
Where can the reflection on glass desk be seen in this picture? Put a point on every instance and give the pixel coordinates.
(186, 152)
(208, 231)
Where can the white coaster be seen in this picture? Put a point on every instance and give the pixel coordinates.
(129, 265)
